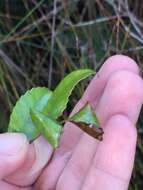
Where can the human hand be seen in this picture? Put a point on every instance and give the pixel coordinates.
(82, 162)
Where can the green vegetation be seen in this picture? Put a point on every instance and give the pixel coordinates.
(36, 112)
(41, 41)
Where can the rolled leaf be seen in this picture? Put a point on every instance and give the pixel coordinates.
(58, 102)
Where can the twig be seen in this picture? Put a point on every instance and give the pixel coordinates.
(132, 19)
(52, 44)
(138, 48)
(22, 21)
(118, 27)
(39, 21)
(127, 29)
(12, 65)
(135, 36)
(92, 22)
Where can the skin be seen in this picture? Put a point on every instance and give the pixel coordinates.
(81, 162)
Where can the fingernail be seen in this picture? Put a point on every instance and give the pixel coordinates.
(12, 143)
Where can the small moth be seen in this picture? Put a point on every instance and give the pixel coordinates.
(91, 129)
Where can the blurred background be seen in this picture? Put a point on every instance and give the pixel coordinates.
(41, 41)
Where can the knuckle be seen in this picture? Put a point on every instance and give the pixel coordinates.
(125, 84)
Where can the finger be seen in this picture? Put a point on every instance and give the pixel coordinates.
(51, 173)
(72, 134)
(78, 164)
(113, 162)
(123, 95)
(39, 154)
(13, 151)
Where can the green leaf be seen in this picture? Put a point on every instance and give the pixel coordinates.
(59, 99)
(85, 115)
(49, 128)
(20, 119)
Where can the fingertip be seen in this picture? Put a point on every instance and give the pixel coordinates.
(113, 64)
(13, 150)
(38, 155)
(125, 90)
(122, 61)
(12, 143)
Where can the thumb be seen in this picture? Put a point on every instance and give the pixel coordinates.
(13, 150)
(38, 155)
